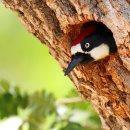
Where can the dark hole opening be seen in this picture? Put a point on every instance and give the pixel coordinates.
(99, 24)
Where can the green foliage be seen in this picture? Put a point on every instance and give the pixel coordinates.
(11, 99)
(41, 105)
(72, 126)
(41, 108)
(92, 117)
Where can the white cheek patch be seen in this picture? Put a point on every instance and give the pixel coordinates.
(99, 52)
(76, 48)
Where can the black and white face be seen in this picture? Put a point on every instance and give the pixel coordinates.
(89, 46)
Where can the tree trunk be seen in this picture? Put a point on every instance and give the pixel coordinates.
(106, 83)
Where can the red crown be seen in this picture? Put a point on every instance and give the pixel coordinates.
(86, 32)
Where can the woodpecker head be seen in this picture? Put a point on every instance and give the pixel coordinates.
(91, 45)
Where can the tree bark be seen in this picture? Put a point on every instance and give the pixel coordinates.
(106, 83)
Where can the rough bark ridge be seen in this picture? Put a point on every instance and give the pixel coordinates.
(105, 83)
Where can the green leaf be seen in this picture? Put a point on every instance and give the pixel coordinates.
(72, 126)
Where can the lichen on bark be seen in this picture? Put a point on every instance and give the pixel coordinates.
(106, 83)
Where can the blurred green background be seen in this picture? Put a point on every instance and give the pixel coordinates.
(31, 82)
(25, 61)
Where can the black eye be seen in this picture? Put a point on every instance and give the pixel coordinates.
(87, 45)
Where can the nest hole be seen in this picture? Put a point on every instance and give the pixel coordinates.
(103, 29)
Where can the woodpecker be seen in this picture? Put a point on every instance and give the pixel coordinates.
(95, 42)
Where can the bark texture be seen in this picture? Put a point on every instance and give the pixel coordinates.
(105, 83)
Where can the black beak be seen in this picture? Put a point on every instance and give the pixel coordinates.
(75, 60)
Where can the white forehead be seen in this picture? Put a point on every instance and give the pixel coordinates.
(76, 48)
